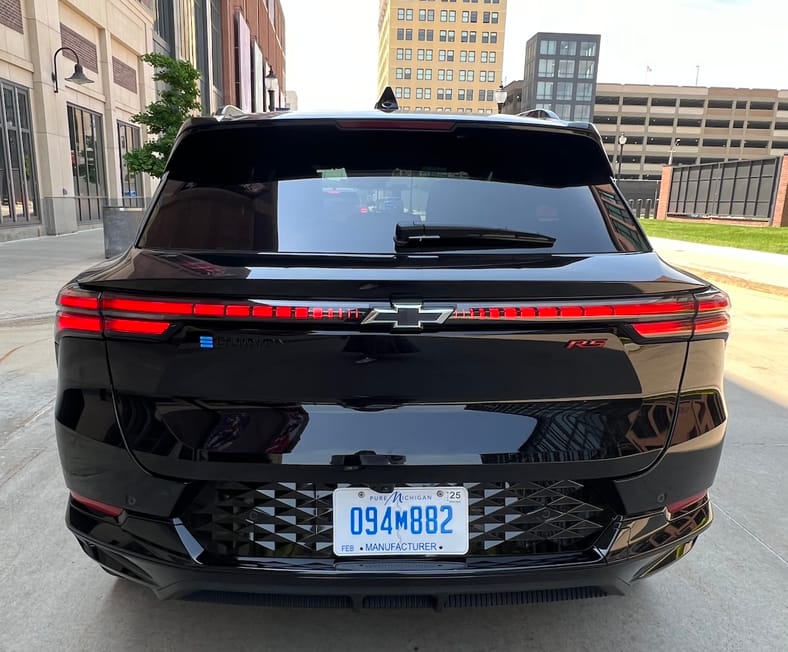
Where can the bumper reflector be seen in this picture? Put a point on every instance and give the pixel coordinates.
(96, 506)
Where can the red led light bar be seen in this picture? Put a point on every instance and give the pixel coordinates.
(135, 326)
(69, 322)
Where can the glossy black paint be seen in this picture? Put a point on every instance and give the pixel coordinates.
(176, 434)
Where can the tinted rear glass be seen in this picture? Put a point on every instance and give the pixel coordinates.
(321, 189)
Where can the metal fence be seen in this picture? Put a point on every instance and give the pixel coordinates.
(743, 189)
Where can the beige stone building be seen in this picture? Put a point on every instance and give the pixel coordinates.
(688, 125)
(442, 55)
(61, 152)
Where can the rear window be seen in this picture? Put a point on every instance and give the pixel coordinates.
(302, 188)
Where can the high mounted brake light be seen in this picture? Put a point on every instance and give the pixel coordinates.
(671, 317)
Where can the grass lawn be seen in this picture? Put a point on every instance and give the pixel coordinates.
(743, 237)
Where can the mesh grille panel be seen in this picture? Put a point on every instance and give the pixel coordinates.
(288, 519)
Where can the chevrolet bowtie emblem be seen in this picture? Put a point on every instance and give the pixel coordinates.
(407, 316)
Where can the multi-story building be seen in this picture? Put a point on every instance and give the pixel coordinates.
(560, 74)
(688, 124)
(63, 143)
(443, 56)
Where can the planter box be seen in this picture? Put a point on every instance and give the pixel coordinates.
(120, 228)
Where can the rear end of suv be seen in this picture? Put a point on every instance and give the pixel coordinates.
(380, 360)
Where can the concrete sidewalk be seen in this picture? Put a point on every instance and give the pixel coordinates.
(32, 271)
(757, 270)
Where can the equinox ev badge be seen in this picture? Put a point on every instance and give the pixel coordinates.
(407, 316)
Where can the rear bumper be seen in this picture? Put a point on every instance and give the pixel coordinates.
(161, 555)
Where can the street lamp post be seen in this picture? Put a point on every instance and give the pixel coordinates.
(79, 76)
(500, 97)
(272, 86)
(672, 147)
(622, 140)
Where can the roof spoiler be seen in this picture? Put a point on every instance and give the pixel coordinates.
(388, 101)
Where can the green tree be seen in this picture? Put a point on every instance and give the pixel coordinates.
(162, 118)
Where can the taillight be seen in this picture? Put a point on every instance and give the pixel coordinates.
(712, 318)
(78, 311)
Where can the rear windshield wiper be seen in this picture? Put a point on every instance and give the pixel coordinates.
(449, 236)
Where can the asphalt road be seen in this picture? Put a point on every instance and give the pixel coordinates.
(730, 593)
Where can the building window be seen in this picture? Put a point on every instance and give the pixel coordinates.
(400, 33)
(447, 93)
(473, 37)
(398, 73)
(400, 54)
(466, 16)
(583, 112)
(469, 75)
(463, 37)
(428, 91)
(449, 75)
(451, 36)
(463, 56)
(429, 55)
(419, 73)
(87, 163)
(490, 75)
(474, 16)
(408, 72)
(548, 47)
(419, 93)
(428, 71)
(461, 95)
(452, 16)
(409, 34)
(546, 67)
(566, 68)
(564, 111)
(409, 14)
(420, 55)
(443, 35)
(585, 69)
(564, 91)
(544, 90)
(493, 37)
(584, 92)
(444, 15)
(408, 54)
(406, 92)
(130, 184)
(568, 48)
(491, 57)
(482, 76)
(18, 190)
(400, 14)
(483, 57)
(587, 48)
(439, 94)
(461, 75)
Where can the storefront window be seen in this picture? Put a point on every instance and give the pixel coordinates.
(18, 187)
(130, 184)
(87, 163)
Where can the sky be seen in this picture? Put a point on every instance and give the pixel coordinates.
(332, 45)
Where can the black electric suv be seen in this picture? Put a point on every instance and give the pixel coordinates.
(380, 359)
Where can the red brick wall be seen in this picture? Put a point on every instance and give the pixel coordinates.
(124, 75)
(11, 15)
(664, 192)
(780, 214)
(270, 37)
(83, 47)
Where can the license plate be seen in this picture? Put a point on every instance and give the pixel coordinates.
(407, 521)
